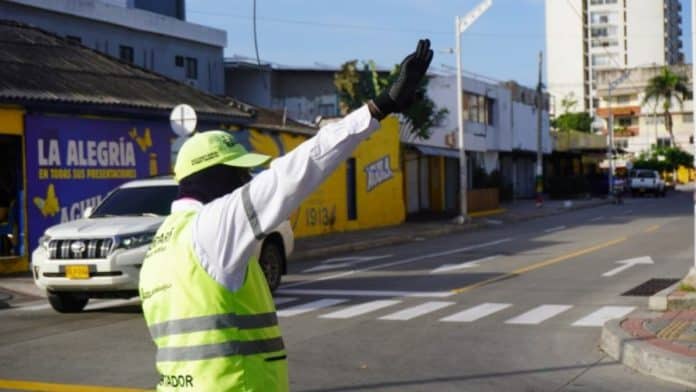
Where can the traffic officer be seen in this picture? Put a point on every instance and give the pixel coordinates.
(204, 296)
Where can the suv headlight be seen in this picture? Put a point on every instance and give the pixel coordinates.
(134, 240)
(43, 241)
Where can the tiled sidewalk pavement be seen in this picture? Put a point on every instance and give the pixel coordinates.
(658, 344)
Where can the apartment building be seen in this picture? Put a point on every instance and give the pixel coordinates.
(587, 36)
(638, 124)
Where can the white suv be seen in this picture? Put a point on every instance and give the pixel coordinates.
(100, 255)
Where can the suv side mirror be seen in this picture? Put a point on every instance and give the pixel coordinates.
(87, 212)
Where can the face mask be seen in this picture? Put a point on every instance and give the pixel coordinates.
(213, 182)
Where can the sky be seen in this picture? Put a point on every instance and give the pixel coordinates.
(503, 44)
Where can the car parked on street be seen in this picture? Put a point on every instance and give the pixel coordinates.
(646, 181)
(100, 255)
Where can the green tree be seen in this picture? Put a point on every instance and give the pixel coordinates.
(665, 86)
(664, 159)
(357, 84)
(573, 121)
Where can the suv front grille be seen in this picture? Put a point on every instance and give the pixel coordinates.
(79, 249)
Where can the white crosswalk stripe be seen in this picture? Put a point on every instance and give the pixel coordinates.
(477, 312)
(604, 314)
(538, 314)
(418, 310)
(309, 307)
(534, 316)
(283, 300)
(360, 309)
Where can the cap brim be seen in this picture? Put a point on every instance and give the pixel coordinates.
(248, 160)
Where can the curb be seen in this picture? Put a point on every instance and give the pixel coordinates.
(643, 357)
(448, 229)
(659, 302)
(559, 211)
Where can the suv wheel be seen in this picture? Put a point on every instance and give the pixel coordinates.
(67, 303)
(271, 261)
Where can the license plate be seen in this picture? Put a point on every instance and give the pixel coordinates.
(77, 271)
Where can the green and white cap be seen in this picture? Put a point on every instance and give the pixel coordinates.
(210, 148)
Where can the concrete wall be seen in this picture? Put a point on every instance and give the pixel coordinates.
(249, 85)
(379, 182)
(156, 40)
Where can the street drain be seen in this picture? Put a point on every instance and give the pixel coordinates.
(650, 287)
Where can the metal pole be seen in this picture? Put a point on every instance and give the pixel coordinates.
(463, 215)
(691, 278)
(610, 146)
(540, 155)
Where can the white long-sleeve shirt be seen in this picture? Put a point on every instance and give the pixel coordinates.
(225, 230)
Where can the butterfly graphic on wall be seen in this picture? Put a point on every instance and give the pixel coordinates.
(49, 206)
(144, 141)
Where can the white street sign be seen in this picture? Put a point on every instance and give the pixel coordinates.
(183, 120)
(471, 17)
(628, 264)
(468, 264)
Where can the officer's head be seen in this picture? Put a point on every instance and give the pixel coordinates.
(212, 164)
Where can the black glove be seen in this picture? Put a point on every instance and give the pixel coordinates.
(402, 94)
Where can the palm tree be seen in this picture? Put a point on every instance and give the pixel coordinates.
(665, 86)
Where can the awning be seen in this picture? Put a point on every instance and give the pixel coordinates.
(436, 151)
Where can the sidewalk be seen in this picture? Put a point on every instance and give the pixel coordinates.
(431, 226)
(662, 345)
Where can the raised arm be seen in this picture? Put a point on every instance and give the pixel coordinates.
(226, 230)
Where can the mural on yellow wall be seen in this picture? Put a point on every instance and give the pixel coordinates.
(378, 182)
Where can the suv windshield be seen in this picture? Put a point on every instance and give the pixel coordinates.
(147, 200)
(644, 174)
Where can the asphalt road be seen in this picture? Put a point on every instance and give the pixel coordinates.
(515, 307)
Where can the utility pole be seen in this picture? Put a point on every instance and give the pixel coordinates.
(610, 130)
(460, 25)
(610, 145)
(691, 277)
(540, 153)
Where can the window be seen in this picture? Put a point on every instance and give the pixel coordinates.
(624, 121)
(623, 99)
(621, 143)
(652, 120)
(191, 68)
(664, 142)
(138, 201)
(73, 39)
(327, 110)
(688, 118)
(125, 53)
(478, 108)
(179, 61)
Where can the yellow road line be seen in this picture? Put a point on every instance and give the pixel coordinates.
(651, 228)
(19, 385)
(541, 264)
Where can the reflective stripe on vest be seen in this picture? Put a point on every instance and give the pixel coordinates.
(216, 350)
(251, 213)
(216, 321)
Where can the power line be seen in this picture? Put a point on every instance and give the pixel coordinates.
(392, 29)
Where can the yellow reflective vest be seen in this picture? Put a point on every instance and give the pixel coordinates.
(208, 338)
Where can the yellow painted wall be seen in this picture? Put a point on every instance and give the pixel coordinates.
(326, 210)
(12, 123)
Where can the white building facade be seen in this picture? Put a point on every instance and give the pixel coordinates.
(500, 123)
(621, 33)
